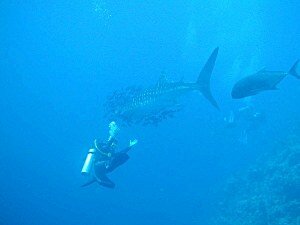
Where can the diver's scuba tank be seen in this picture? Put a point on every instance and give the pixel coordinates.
(86, 169)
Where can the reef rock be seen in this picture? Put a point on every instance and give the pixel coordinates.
(268, 193)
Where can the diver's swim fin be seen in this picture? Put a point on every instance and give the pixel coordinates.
(89, 182)
(105, 181)
(203, 81)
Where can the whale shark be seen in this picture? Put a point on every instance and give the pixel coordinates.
(135, 105)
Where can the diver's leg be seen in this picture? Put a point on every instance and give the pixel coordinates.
(100, 171)
(97, 169)
(119, 159)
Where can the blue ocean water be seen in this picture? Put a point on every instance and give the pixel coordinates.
(60, 60)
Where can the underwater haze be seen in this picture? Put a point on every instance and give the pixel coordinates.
(60, 60)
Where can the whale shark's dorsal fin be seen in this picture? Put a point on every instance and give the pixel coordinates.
(259, 72)
(262, 70)
(181, 79)
(162, 80)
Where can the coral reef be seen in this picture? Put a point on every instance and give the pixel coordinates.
(268, 193)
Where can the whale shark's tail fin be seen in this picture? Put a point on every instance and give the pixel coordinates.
(295, 71)
(203, 81)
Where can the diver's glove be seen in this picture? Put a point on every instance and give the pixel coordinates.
(133, 142)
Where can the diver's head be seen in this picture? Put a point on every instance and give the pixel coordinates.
(112, 124)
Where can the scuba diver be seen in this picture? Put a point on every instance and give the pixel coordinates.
(103, 158)
(245, 114)
(247, 118)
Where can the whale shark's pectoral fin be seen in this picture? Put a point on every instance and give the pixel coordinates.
(295, 70)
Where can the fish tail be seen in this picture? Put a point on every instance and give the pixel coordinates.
(203, 82)
(294, 71)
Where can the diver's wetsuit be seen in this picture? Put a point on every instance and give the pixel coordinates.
(104, 165)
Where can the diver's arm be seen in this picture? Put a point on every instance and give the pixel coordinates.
(100, 151)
